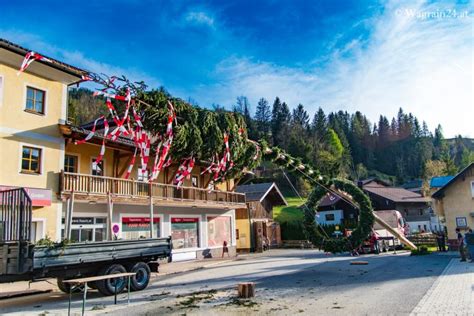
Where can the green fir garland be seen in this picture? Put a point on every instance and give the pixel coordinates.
(363, 229)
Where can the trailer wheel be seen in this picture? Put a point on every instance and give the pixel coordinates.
(66, 287)
(107, 287)
(142, 278)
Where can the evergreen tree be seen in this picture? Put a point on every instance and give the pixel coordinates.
(300, 116)
(319, 124)
(263, 118)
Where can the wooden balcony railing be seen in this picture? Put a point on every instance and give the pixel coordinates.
(98, 185)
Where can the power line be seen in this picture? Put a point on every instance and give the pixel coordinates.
(304, 205)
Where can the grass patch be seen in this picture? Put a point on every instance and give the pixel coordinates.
(243, 302)
(290, 213)
(192, 300)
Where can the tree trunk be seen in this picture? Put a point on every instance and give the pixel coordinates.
(246, 290)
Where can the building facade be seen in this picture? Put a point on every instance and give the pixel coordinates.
(415, 208)
(32, 148)
(454, 202)
(76, 199)
(333, 210)
(257, 219)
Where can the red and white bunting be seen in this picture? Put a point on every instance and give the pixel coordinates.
(91, 133)
(102, 148)
(184, 171)
(132, 163)
(112, 96)
(257, 153)
(168, 162)
(156, 172)
(29, 58)
(86, 78)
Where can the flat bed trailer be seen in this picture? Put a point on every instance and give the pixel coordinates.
(21, 260)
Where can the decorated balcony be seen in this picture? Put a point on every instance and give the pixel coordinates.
(100, 189)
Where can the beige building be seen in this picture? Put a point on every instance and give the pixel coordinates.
(454, 202)
(31, 146)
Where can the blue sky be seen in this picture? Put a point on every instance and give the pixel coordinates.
(373, 56)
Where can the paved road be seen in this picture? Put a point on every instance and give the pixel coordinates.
(287, 281)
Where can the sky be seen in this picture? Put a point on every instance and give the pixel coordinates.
(351, 55)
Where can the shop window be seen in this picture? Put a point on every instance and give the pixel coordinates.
(185, 232)
(35, 100)
(31, 160)
(218, 230)
(97, 168)
(329, 217)
(139, 227)
(70, 163)
(87, 229)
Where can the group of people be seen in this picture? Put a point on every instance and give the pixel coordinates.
(466, 244)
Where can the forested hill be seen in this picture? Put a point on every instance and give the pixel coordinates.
(338, 143)
(348, 144)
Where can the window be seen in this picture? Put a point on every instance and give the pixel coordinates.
(184, 232)
(87, 229)
(194, 181)
(420, 212)
(472, 182)
(329, 217)
(461, 222)
(35, 100)
(218, 230)
(31, 160)
(139, 227)
(142, 176)
(70, 163)
(97, 169)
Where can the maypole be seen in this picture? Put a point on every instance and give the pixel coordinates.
(218, 140)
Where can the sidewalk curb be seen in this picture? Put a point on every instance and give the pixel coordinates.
(194, 268)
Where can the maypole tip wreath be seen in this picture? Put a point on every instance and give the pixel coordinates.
(364, 226)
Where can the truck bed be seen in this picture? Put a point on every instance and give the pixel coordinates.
(81, 253)
(77, 259)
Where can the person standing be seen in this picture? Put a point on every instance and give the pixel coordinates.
(438, 240)
(225, 249)
(443, 241)
(469, 243)
(461, 244)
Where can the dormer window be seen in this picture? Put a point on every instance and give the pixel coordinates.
(35, 99)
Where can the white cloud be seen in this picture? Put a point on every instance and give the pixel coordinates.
(418, 57)
(199, 18)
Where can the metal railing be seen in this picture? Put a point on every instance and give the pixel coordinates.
(99, 185)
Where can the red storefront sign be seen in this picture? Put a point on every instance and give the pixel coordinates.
(39, 197)
(184, 220)
(139, 220)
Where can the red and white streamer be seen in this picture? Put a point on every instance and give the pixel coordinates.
(29, 58)
(184, 171)
(91, 133)
(132, 163)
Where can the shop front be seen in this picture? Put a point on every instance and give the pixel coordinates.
(139, 227)
(196, 232)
